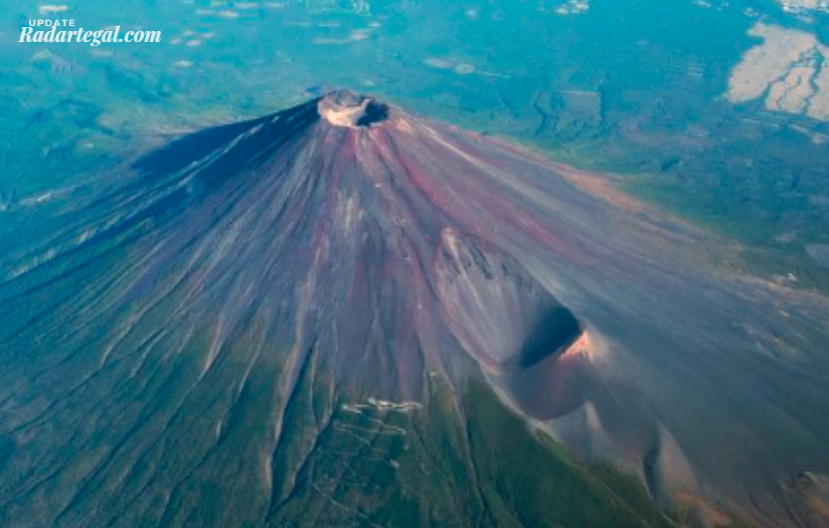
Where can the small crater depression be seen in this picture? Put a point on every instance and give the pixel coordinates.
(344, 108)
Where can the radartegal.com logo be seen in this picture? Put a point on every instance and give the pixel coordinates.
(64, 31)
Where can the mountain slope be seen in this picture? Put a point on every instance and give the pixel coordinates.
(304, 320)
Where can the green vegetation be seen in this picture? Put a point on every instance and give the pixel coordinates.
(459, 460)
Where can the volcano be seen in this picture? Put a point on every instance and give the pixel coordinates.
(346, 315)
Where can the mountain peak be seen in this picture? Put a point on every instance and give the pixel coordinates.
(282, 295)
(345, 108)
